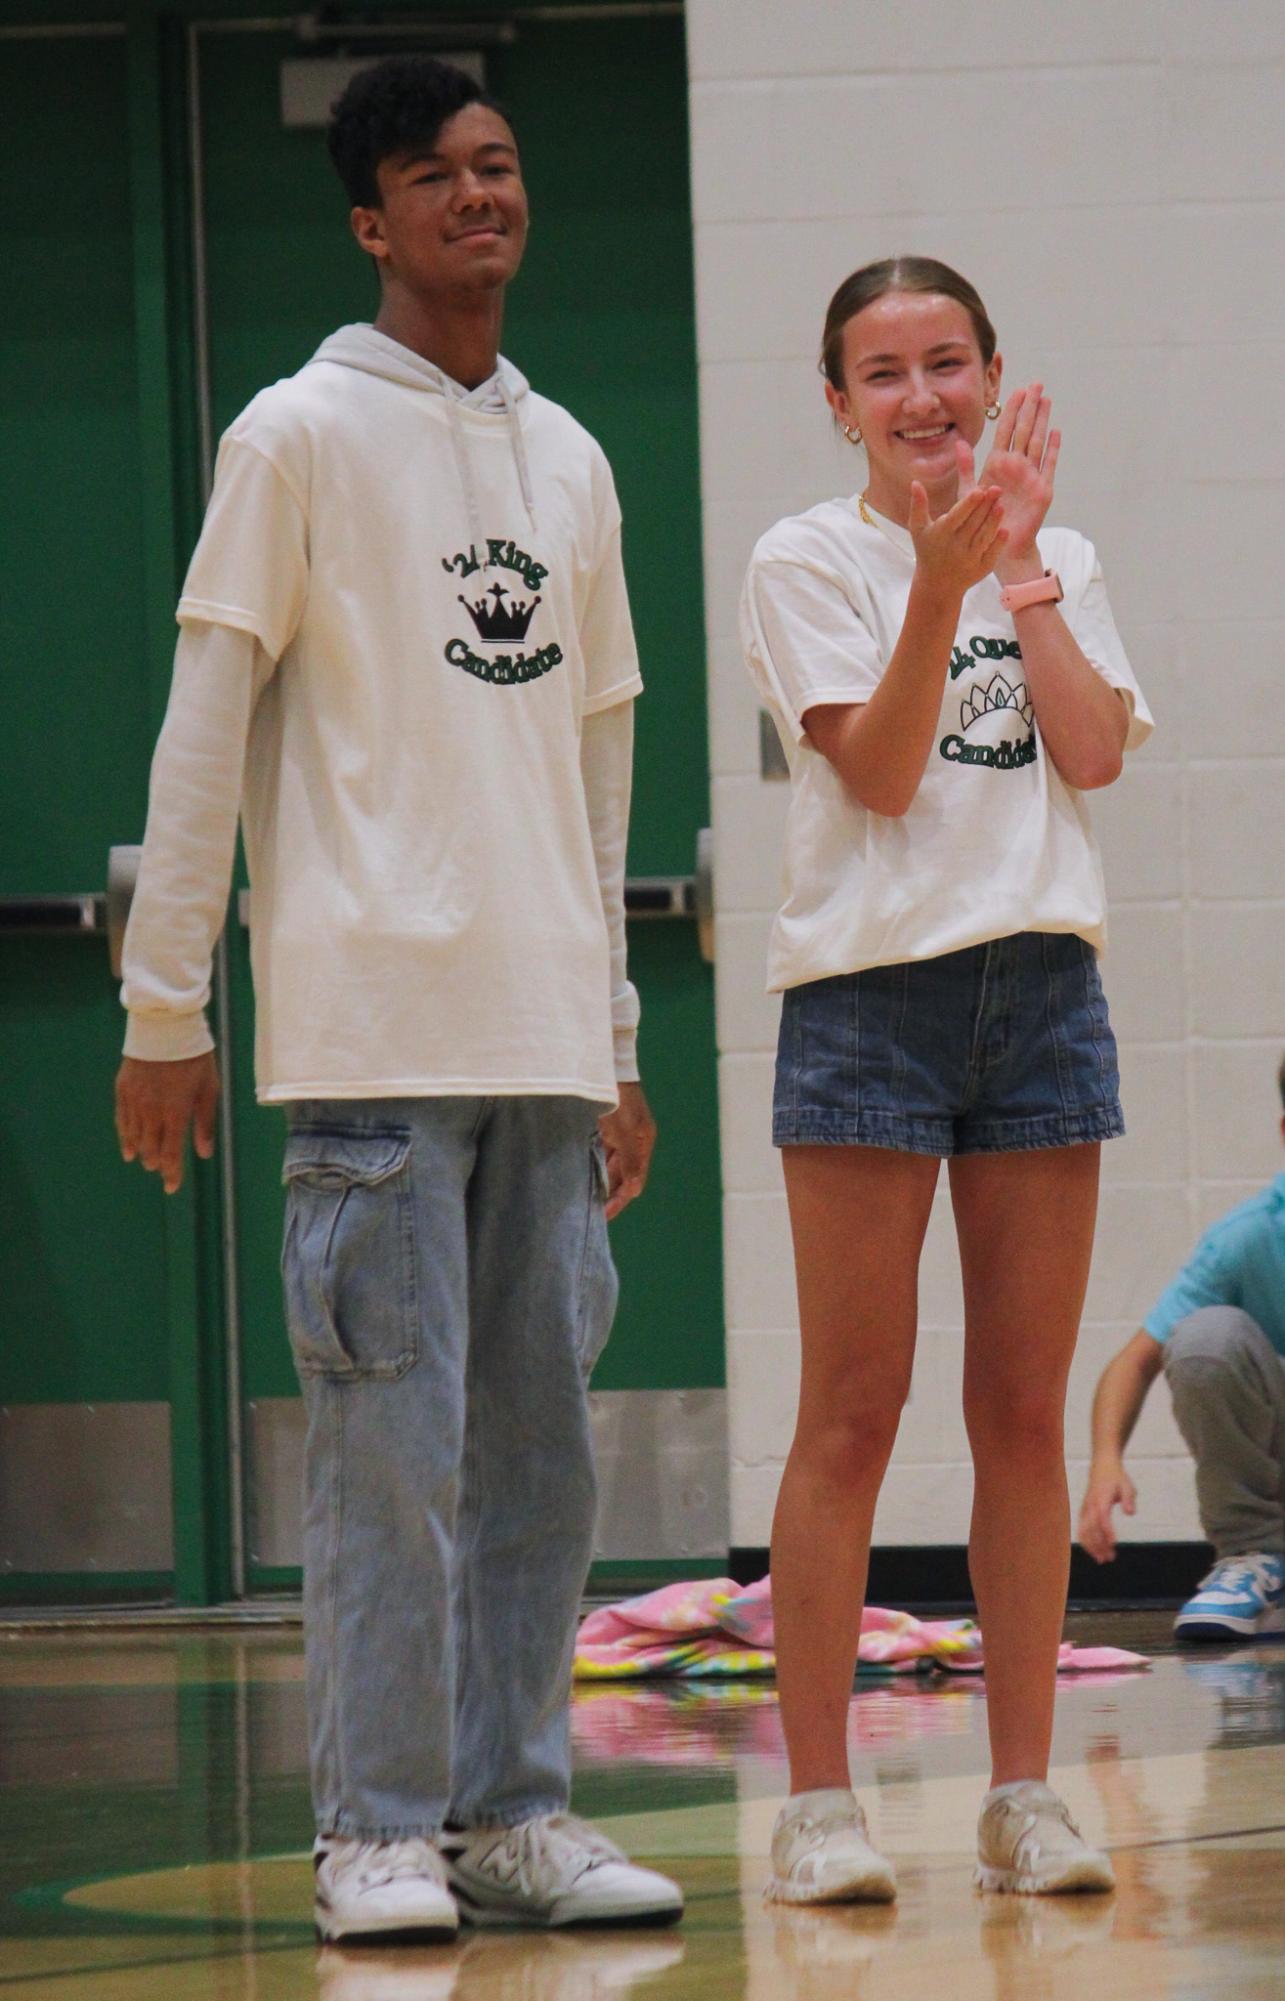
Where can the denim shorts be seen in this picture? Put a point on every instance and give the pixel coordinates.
(995, 1049)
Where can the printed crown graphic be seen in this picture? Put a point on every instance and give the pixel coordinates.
(998, 695)
(500, 620)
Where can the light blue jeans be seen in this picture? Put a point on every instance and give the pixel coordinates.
(448, 1288)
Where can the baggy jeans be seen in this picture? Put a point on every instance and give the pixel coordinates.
(448, 1287)
(1228, 1388)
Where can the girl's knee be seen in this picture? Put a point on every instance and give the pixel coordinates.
(1017, 1428)
(848, 1448)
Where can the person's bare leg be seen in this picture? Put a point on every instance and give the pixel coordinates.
(858, 1216)
(1025, 1223)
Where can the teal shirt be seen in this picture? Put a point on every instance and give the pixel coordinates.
(1239, 1262)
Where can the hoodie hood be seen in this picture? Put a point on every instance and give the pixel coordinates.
(363, 347)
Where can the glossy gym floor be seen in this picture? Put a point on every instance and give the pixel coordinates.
(154, 1825)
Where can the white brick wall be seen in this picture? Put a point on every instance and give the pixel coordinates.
(1111, 179)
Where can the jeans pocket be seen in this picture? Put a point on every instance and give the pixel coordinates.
(599, 1285)
(348, 1258)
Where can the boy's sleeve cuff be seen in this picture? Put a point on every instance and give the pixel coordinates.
(167, 1038)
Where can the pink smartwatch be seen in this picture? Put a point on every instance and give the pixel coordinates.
(1041, 590)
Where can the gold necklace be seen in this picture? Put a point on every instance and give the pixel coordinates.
(891, 530)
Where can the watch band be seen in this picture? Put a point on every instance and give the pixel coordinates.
(1041, 590)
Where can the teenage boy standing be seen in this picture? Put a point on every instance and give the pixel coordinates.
(406, 654)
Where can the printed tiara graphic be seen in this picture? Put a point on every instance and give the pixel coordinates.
(999, 694)
(501, 621)
(995, 715)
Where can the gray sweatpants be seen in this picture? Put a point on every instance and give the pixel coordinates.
(1228, 1388)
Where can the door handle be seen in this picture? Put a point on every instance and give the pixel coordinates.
(48, 916)
(660, 896)
(680, 895)
(93, 914)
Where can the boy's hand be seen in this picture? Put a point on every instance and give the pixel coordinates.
(155, 1104)
(628, 1134)
(1109, 1487)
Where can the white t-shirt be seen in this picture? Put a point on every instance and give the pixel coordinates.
(441, 588)
(994, 841)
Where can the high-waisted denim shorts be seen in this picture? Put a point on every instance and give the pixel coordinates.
(994, 1049)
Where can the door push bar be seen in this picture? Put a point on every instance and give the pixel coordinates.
(39, 916)
(90, 915)
(646, 897)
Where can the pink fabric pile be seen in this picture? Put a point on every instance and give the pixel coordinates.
(712, 1626)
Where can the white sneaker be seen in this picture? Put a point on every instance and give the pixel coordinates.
(1027, 1842)
(554, 1870)
(368, 1889)
(821, 1853)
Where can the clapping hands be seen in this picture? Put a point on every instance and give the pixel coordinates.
(1021, 463)
(995, 520)
(961, 546)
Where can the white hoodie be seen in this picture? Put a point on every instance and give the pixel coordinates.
(431, 583)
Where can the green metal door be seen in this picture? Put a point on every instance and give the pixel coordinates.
(600, 318)
(176, 248)
(111, 1458)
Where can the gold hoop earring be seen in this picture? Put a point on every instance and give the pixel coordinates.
(853, 437)
(992, 411)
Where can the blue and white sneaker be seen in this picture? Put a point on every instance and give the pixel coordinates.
(1242, 1597)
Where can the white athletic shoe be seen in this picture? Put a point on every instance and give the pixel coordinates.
(1028, 1843)
(554, 1870)
(381, 1889)
(821, 1853)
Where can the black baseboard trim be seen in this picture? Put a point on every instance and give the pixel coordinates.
(934, 1576)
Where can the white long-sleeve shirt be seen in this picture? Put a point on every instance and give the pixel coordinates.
(193, 806)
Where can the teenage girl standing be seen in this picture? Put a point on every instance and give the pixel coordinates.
(947, 687)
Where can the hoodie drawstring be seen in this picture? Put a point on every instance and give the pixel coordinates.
(519, 446)
(459, 444)
(462, 467)
(364, 347)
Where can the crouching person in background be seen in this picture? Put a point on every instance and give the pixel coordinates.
(1218, 1334)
